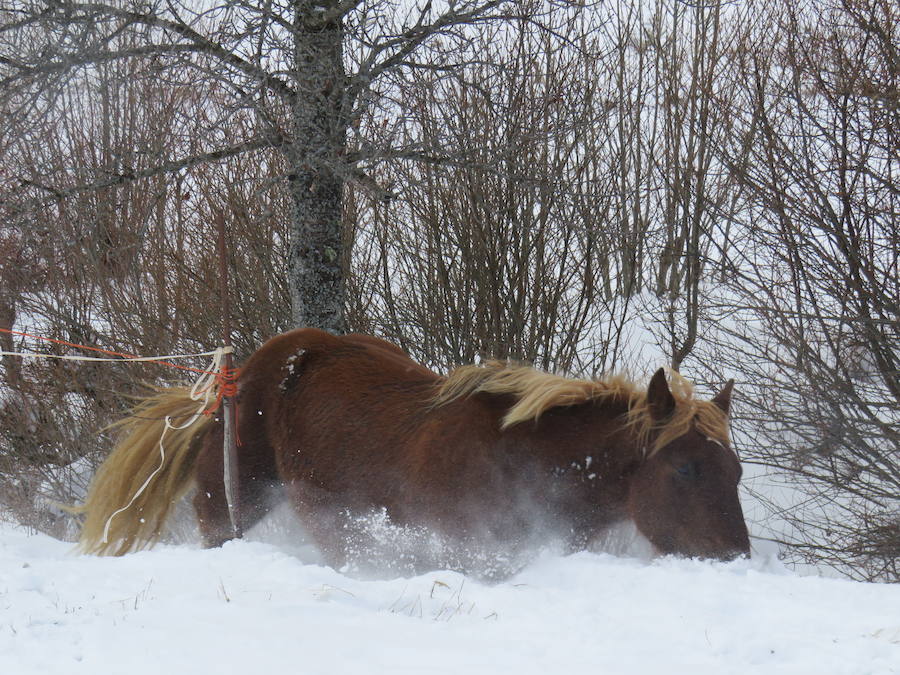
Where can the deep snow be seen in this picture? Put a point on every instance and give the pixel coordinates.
(252, 607)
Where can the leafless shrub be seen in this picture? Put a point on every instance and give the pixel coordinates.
(817, 299)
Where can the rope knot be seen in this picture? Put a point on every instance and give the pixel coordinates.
(226, 384)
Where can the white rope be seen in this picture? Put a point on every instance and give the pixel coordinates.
(108, 359)
(203, 388)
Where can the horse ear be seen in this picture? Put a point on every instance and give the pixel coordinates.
(723, 398)
(659, 398)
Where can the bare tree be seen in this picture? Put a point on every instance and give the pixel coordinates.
(304, 72)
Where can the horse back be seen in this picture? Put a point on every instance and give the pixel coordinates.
(353, 416)
(308, 386)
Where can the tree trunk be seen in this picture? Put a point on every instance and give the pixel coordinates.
(315, 258)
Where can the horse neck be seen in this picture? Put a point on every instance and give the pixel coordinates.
(593, 436)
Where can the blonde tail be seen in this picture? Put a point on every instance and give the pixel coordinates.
(136, 487)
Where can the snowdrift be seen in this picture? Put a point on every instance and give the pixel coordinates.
(252, 607)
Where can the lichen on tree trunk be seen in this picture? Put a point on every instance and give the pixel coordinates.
(318, 144)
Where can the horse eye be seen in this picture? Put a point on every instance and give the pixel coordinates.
(689, 470)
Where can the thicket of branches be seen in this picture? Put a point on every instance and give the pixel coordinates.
(818, 280)
(551, 183)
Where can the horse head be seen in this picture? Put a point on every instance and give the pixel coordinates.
(684, 496)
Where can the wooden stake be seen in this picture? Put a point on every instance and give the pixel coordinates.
(232, 485)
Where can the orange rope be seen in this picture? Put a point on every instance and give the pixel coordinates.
(102, 351)
(226, 381)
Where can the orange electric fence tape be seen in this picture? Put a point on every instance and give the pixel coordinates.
(226, 381)
(122, 356)
(225, 378)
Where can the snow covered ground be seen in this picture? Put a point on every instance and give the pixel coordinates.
(253, 607)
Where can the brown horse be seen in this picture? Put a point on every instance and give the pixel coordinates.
(490, 459)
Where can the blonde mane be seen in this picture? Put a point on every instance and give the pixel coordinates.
(535, 392)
